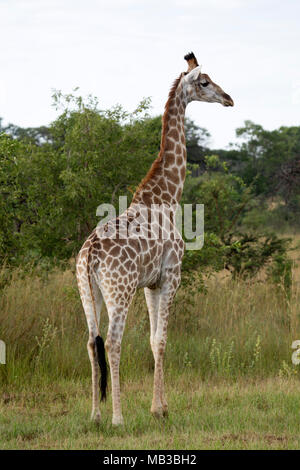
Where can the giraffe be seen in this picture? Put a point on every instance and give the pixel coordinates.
(110, 267)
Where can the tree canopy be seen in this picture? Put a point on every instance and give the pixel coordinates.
(53, 178)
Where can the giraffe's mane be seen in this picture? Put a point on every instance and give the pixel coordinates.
(158, 160)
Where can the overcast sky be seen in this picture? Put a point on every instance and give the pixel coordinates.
(122, 51)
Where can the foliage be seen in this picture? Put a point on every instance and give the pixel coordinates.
(50, 191)
(54, 178)
(267, 159)
(197, 139)
(226, 197)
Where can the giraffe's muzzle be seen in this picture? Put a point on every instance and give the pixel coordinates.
(227, 100)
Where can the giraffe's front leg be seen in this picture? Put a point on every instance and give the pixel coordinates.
(163, 400)
(117, 317)
(152, 299)
(114, 353)
(159, 405)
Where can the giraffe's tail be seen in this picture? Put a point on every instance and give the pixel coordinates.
(103, 366)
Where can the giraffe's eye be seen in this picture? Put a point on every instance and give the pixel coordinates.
(205, 84)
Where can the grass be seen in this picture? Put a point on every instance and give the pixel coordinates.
(229, 376)
(221, 415)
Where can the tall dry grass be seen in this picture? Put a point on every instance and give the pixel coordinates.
(238, 328)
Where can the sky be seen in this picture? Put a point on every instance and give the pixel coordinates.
(124, 50)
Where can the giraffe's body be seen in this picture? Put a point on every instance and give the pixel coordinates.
(117, 258)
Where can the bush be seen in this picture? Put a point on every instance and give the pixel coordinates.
(226, 246)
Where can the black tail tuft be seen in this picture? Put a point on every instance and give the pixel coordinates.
(102, 364)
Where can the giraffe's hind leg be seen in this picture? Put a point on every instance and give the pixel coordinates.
(117, 317)
(117, 303)
(92, 351)
(93, 332)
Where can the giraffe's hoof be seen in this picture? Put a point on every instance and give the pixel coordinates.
(118, 421)
(96, 416)
(157, 412)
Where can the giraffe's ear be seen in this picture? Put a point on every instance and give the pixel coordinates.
(191, 60)
(194, 75)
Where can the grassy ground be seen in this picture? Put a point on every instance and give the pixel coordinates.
(244, 415)
(229, 376)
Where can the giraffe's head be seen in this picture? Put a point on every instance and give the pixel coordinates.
(199, 86)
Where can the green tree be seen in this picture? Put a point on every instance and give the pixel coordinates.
(91, 157)
(226, 244)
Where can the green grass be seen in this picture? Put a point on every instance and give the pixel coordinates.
(220, 415)
(230, 380)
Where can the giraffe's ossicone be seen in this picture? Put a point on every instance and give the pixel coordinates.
(142, 248)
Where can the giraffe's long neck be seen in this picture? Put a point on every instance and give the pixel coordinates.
(164, 181)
